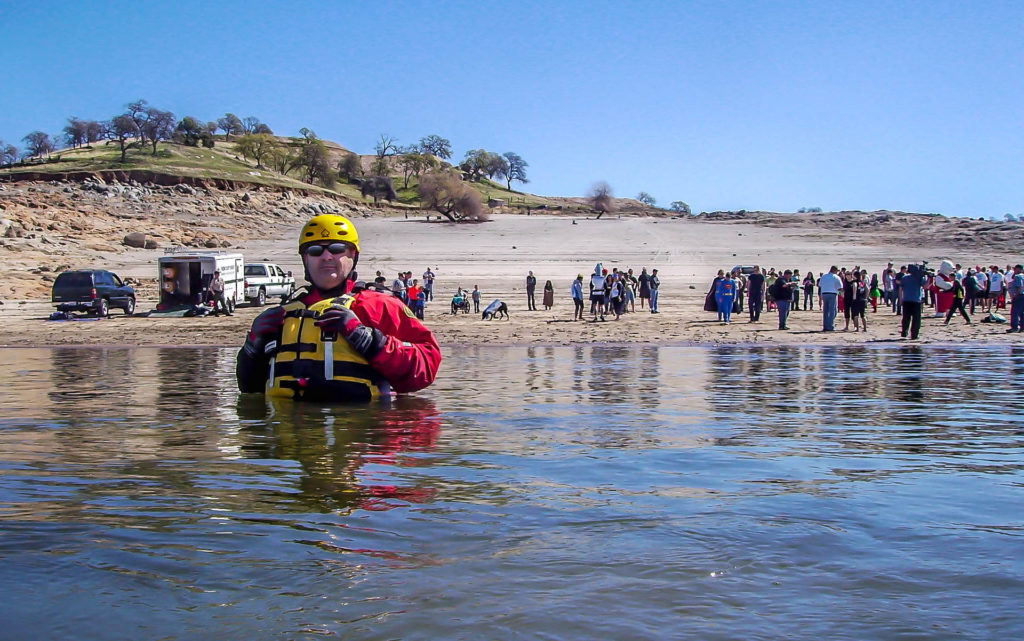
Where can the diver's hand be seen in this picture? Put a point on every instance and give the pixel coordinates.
(266, 326)
(342, 320)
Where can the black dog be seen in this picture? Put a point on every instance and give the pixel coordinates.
(495, 310)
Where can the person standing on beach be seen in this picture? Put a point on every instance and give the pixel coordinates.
(859, 301)
(413, 294)
(398, 287)
(725, 295)
(808, 286)
(830, 286)
(597, 293)
(782, 293)
(959, 300)
(995, 289)
(217, 291)
(912, 292)
(549, 295)
(1015, 292)
(531, 287)
(887, 279)
(970, 284)
(755, 294)
(795, 277)
(897, 295)
(428, 283)
(576, 290)
(476, 299)
(340, 341)
(645, 286)
(655, 283)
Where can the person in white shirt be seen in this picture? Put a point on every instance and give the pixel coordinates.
(829, 286)
(995, 288)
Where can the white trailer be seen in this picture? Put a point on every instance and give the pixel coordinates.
(185, 277)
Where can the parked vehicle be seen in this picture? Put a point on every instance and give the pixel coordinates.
(263, 280)
(92, 290)
(746, 270)
(185, 277)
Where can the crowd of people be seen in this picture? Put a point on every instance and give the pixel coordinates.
(950, 289)
(615, 292)
(840, 294)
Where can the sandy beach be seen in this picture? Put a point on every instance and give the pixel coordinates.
(497, 255)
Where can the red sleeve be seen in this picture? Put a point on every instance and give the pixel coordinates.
(411, 357)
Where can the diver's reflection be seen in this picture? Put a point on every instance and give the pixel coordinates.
(334, 445)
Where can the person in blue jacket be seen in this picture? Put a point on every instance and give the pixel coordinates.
(725, 295)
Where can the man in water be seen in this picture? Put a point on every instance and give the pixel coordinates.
(340, 341)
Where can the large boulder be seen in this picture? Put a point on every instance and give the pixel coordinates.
(135, 239)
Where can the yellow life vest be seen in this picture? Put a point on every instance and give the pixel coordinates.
(311, 364)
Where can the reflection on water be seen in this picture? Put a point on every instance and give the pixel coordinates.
(614, 492)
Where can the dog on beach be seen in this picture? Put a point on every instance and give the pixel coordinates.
(495, 310)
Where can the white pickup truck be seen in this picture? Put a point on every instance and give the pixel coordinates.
(266, 279)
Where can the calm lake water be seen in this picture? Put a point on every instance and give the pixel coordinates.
(603, 492)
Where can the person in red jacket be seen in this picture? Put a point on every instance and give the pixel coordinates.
(339, 340)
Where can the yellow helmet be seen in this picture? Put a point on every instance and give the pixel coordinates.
(329, 227)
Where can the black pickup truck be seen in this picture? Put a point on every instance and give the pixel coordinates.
(92, 290)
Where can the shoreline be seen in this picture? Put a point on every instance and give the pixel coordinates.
(680, 324)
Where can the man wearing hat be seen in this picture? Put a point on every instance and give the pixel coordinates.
(217, 294)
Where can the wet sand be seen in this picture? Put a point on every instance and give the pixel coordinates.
(497, 255)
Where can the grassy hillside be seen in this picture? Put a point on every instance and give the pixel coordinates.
(224, 163)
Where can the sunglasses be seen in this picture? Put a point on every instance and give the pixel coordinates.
(334, 248)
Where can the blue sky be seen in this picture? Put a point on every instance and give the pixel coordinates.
(868, 105)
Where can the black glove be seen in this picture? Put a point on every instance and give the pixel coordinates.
(265, 328)
(342, 320)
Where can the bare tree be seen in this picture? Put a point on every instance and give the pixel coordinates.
(38, 143)
(8, 154)
(231, 124)
(600, 197)
(122, 128)
(447, 194)
(158, 125)
(514, 169)
(93, 131)
(436, 145)
(386, 146)
(252, 125)
(75, 132)
(137, 112)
